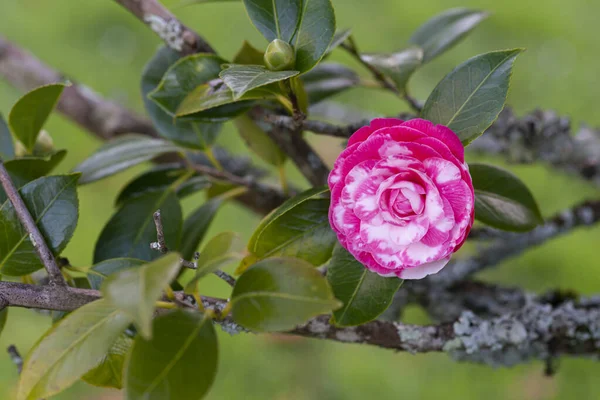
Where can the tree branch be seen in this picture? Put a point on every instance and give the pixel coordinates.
(534, 331)
(35, 236)
(107, 120)
(162, 22)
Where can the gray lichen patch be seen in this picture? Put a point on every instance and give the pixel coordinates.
(168, 30)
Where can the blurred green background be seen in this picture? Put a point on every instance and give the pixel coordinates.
(99, 43)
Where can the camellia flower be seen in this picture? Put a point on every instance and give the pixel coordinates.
(401, 197)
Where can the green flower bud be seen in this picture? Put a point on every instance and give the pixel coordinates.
(279, 56)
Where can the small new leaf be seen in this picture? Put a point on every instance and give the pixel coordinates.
(277, 294)
(469, 99)
(122, 153)
(179, 362)
(397, 66)
(445, 30)
(243, 78)
(135, 290)
(30, 112)
(69, 349)
(364, 293)
(502, 200)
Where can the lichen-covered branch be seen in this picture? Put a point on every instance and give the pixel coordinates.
(537, 330)
(162, 22)
(508, 245)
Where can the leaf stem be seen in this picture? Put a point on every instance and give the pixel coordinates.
(283, 180)
(213, 160)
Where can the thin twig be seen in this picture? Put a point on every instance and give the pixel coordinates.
(37, 240)
(160, 243)
(15, 357)
(188, 264)
(230, 280)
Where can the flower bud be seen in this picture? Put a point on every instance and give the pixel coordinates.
(279, 56)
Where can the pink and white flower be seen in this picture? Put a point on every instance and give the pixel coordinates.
(401, 197)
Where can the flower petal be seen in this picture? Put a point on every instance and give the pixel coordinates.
(421, 271)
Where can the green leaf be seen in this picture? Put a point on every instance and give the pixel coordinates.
(27, 169)
(196, 135)
(364, 293)
(315, 33)
(502, 200)
(131, 229)
(185, 75)
(161, 178)
(243, 78)
(249, 55)
(196, 225)
(277, 294)
(338, 38)
(275, 19)
(136, 290)
(121, 153)
(469, 99)
(298, 228)
(446, 29)
(258, 141)
(53, 204)
(398, 66)
(109, 373)
(179, 362)
(30, 112)
(220, 251)
(218, 101)
(328, 79)
(7, 148)
(69, 349)
(100, 271)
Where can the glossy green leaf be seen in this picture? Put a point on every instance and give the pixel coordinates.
(179, 362)
(277, 294)
(7, 149)
(109, 373)
(249, 55)
(328, 79)
(121, 153)
(196, 135)
(30, 112)
(221, 250)
(69, 349)
(299, 228)
(196, 225)
(258, 141)
(315, 33)
(131, 229)
(218, 101)
(243, 78)
(161, 178)
(446, 29)
(53, 204)
(185, 75)
(275, 19)
(398, 67)
(27, 169)
(502, 200)
(364, 293)
(136, 290)
(100, 271)
(469, 99)
(338, 38)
